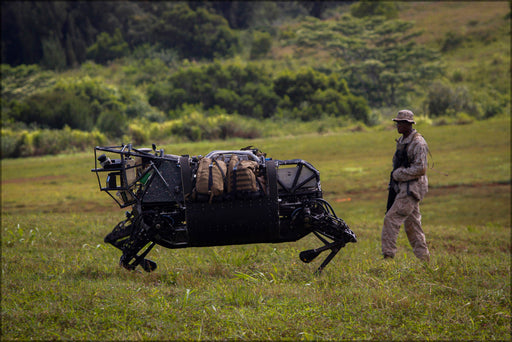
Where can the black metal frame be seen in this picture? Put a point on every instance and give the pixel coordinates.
(288, 211)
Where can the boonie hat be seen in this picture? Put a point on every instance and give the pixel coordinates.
(405, 115)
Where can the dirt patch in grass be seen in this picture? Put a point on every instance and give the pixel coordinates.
(33, 179)
(433, 190)
(68, 207)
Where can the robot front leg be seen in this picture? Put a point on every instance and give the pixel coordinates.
(130, 260)
(310, 255)
(130, 238)
(324, 223)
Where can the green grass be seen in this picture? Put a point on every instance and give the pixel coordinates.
(60, 281)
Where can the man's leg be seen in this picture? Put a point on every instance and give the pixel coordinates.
(415, 234)
(395, 217)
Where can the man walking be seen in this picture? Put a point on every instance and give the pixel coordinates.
(408, 186)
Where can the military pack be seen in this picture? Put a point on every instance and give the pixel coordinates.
(210, 178)
(242, 175)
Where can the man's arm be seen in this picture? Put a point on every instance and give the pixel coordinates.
(418, 150)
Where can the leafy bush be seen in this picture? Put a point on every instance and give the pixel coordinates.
(12, 143)
(197, 126)
(227, 99)
(310, 94)
(251, 91)
(258, 100)
(365, 8)
(107, 48)
(442, 99)
(149, 69)
(147, 52)
(457, 119)
(54, 55)
(47, 141)
(492, 102)
(195, 33)
(360, 111)
(83, 104)
(23, 81)
(261, 44)
(233, 87)
(112, 122)
(138, 133)
(54, 110)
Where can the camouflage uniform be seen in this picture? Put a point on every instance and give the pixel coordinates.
(411, 185)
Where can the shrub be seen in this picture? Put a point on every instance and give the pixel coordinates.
(47, 141)
(55, 110)
(54, 55)
(195, 126)
(261, 44)
(250, 91)
(310, 94)
(195, 33)
(78, 103)
(247, 90)
(359, 109)
(330, 102)
(138, 133)
(442, 99)
(154, 55)
(491, 102)
(258, 100)
(227, 99)
(113, 123)
(367, 8)
(107, 48)
(439, 99)
(23, 81)
(164, 96)
(12, 143)
(458, 119)
(457, 76)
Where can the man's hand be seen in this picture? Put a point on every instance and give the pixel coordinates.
(395, 175)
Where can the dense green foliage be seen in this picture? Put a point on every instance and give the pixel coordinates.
(251, 91)
(107, 48)
(366, 8)
(377, 57)
(48, 141)
(124, 68)
(82, 103)
(58, 34)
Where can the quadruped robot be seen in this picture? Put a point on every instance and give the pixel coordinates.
(167, 208)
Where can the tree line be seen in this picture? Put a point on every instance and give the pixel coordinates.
(61, 34)
(249, 90)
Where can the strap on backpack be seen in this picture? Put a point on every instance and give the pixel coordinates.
(210, 178)
(234, 175)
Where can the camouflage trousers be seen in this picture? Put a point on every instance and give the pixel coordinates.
(406, 211)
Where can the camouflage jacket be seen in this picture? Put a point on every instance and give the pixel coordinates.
(416, 173)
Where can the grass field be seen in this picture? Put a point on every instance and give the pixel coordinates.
(60, 281)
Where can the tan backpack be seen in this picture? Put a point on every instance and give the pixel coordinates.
(242, 175)
(210, 177)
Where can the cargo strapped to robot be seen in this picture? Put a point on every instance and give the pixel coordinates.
(226, 197)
